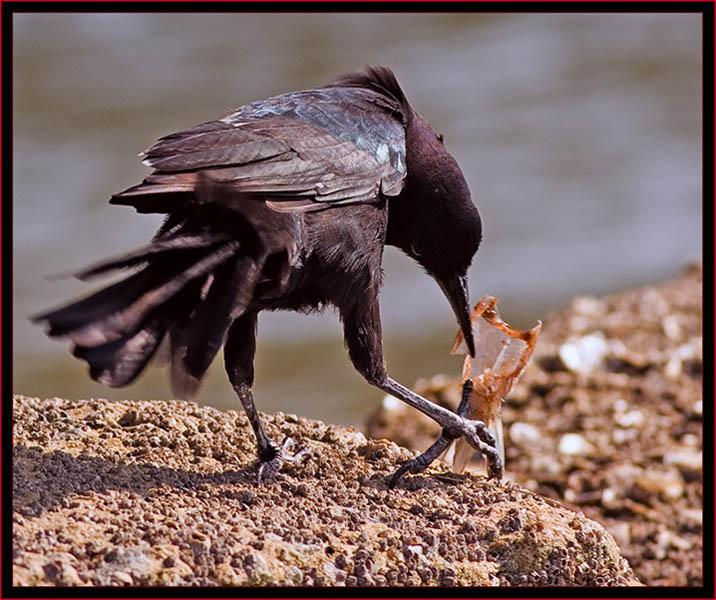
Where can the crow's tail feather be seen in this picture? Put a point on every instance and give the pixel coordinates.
(193, 283)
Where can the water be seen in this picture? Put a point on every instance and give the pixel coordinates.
(580, 136)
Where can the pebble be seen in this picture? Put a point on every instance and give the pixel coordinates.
(680, 543)
(675, 364)
(671, 324)
(624, 435)
(62, 573)
(588, 306)
(686, 458)
(625, 473)
(391, 403)
(621, 532)
(620, 405)
(609, 498)
(571, 496)
(667, 539)
(123, 577)
(633, 418)
(689, 439)
(669, 484)
(545, 464)
(228, 575)
(694, 515)
(348, 438)
(523, 433)
(574, 444)
(199, 543)
(295, 574)
(586, 310)
(584, 355)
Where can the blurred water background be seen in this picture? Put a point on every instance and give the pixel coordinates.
(580, 136)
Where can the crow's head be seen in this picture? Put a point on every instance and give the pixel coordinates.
(434, 220)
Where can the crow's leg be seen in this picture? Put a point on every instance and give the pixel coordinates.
(239, 351)
(363, 335)
(454, 425)
(422, 462)
(268, 452)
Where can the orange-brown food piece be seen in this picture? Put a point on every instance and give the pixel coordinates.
(501, 355)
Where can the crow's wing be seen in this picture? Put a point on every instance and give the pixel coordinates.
(300, 151)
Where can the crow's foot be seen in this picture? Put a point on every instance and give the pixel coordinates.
(272, 458)
(477, 435)
(484, 442)
(422, 462)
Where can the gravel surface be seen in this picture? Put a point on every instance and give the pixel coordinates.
(163, 493)
(608, 419)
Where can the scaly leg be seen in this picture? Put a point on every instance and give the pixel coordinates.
(423, 461)
(239, 351)
(268, 452)
(363, 335)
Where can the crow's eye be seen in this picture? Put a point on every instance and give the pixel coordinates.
(441, 137)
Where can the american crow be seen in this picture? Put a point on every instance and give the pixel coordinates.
(284, 204)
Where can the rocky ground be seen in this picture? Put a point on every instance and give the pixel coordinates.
(607, 419)
(159, 493)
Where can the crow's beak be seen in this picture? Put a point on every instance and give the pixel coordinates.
(455, 288)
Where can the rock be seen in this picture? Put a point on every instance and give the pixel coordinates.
(575, 444)
(694, 515)
(667, 483)
(687, 458)
(677, 358)
(621, 533)
(121, 511)
(671, 325)
(523, 433)
(633, 418)
(59, 569)
(585, 354)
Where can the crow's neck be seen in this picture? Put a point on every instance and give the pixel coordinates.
(415, 213)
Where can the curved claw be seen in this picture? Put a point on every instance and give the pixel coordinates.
(454, 426)
(273, 458)
(270, 461)
(477, 434)
(407, 466)
(483, 441)
(423, 461)
(268, 469)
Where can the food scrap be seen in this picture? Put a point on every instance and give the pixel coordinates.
(501, 355)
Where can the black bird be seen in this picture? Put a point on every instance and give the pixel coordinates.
(284, 204)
